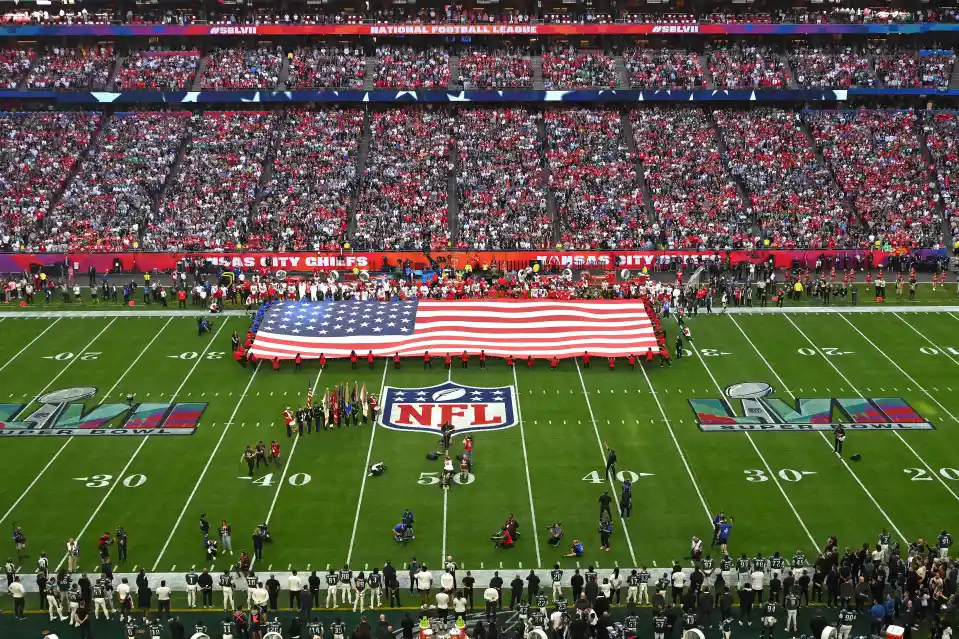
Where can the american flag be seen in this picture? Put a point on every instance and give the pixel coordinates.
(309, 394)
(537, 327)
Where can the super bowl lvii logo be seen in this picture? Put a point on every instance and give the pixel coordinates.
(64, 413)
(761, 413)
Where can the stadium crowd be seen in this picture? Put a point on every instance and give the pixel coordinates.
(207, 204)
(408, 67)
(909, 69)
(69, 69)
(942, 139)
(325, 66)
(14, 66)
(598, 198)
(304, 203)
(832, 66)
(40, 151)
(159, 70)
(403, 203)
(664, 69)
(572, 69)
(694, 196)
(876, 157)
(747, 67)
(500, 182)
(105, 206)
(233, 68)
(479, 69)
(792, 195)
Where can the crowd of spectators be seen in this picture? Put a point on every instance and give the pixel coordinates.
(479, 69)
(593, 179)
(572, 69)
(747, 67)
(39, 153)
(69, 69)
(159, 70)
(412, 68)
(326, 66)
(207, 204)
(14, 66)
(305, 202)
(501, 183)
(912, 69)
(403, 202)
(664, 69)
(832, 67)
(876, 157)
(942, 138)
(791, 193)
(236, 68)
(695, 198)
(105, 206)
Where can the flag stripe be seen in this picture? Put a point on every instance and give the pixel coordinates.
(540, 328)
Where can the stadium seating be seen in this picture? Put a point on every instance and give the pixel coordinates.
(598, 199)
(747, 66)
(159, 70)
(832, 67)
(326, 66)
(14, 65)
(480, 69)
(40, 151)
(664, 69)
(304, 204)
(912, 69)
(877, 159)
(793, 196)
(105, 207)
(207, 205)
(403, 203)
(230, 69)
(942, 138)
(570, 69)
(64, 69)
(695, 198)
(501, 188)
(411, 68)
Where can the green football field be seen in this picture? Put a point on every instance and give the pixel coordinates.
(781, 483)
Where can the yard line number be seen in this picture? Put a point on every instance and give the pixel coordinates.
(712, 352)
(193, 355)
(786, 474)
(102, 481)
(87, 356)
(931, 350)
(921, 474)
(296, 479)
(826, 350)
(433, 478)
(595, 478)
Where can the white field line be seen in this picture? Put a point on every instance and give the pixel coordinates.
(821, 434)
(602, 455)
(762, 458)
(529, 483)
(31, 343)
(369, 454)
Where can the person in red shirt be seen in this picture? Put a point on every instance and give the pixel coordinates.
(612, 363)
(297, 363)
(427, 361)
(664, 357)
(275, 453)
(240, 356)
(369, 359)
(649, 356)
(322, 360)
(554, 362)
(465, 359)
(509, 361)
(529, 361)
(181, 298)
(586, 358)
(448, 362)
(251, 358)
(353, 359)
(482, 358)
(632, 361)
(276, 364)
(396, 360)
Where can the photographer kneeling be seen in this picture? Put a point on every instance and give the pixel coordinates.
(502, 539)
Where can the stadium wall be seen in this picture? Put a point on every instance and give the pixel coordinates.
(348, 260)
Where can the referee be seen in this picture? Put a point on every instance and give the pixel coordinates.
(610, 460)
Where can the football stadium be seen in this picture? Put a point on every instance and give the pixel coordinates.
(559, 320)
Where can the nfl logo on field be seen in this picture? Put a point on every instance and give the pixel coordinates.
(467, 408)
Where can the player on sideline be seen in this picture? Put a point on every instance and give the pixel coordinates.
(346, 584)
(769, 618)
(331, 582)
